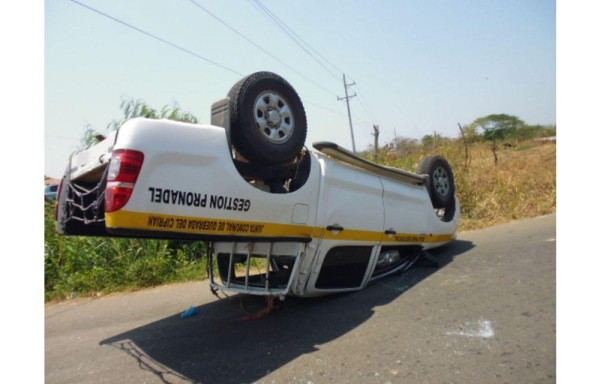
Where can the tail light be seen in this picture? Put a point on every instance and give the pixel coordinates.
(123, 171)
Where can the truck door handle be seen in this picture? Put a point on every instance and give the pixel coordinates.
(390, 232)
(335, 227)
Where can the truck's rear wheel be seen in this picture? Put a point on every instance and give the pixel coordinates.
(267, 121)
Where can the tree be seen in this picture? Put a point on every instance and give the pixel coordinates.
(405, 146)
(376, 139)
(498, 127)
(466, 142)
(89, 138)
(136, 108)
(470, 133)
(427, 141)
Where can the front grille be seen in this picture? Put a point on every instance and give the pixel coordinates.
(263, 268)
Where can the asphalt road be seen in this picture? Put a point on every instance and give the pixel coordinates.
(487, 315)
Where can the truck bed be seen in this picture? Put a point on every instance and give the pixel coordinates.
(338, 153)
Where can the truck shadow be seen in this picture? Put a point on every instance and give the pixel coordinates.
(218, 346)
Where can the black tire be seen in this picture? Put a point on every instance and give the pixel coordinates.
(440, 185)
(267, 119)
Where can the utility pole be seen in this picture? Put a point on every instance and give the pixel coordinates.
(347, 98)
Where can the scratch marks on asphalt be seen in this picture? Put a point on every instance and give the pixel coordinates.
(478, 329)
(399, 288)
(399, 283)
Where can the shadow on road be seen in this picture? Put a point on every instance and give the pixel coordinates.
(217, 346)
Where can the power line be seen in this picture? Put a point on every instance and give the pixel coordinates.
(190, 52)
(259, 47)
(302, 43)
(304, 101)
(157, 38)
(361, 119)
(296, 38)
(363, 103)
(364, 106)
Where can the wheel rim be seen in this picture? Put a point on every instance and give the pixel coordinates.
(273, 116)
(441, 182)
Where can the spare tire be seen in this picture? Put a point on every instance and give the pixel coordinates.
(441, 181)
(267, 119)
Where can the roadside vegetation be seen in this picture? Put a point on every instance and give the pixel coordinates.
(76, 266)
(502, 170)
(521, 184)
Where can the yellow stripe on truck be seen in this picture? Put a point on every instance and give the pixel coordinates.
(210, 226)
(205, 226)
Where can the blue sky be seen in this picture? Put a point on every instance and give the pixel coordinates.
(419, 66)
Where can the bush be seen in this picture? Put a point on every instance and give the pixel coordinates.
(88, 265)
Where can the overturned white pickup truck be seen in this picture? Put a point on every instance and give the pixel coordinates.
(280, 219)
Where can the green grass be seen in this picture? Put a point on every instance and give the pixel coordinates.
(97, 265)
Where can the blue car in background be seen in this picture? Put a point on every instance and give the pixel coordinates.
(50, 192)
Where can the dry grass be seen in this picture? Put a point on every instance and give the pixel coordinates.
(522, 185)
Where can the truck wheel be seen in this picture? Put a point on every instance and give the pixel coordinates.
(441, 181)
(267, 120)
